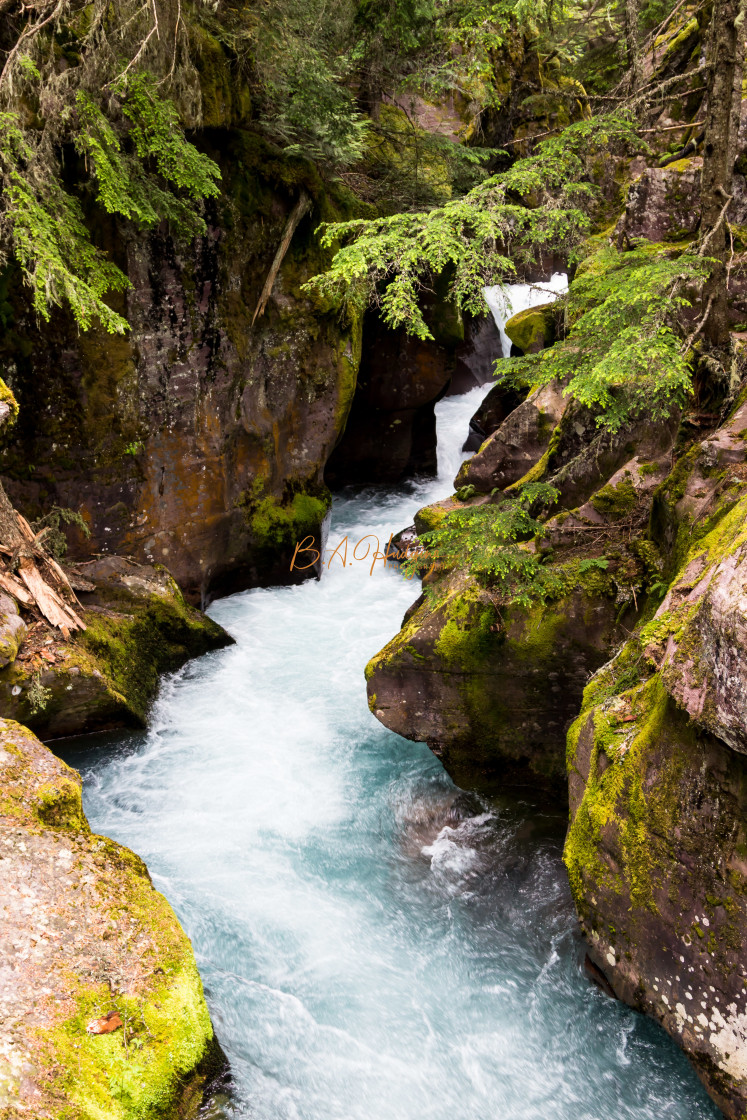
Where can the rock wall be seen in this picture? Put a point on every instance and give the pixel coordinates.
(200, 439)
(657, 779)
(391, 431)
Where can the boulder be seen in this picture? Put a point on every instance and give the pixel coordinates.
(663, 203)
(475, 358)
(499, 403)
(533, 329)
(86, 941)
(492, 690)
(138, 626)
(12, 630)
(518, 444)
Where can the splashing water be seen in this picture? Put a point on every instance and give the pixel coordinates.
(375, 944)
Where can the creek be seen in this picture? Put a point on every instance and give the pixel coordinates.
(374, 945)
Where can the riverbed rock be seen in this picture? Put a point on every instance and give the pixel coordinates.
(475, 358)
(492, 690)
(138, 626)
(83, 934)
(499, 403)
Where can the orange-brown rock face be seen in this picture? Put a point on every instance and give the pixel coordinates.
(200, 439)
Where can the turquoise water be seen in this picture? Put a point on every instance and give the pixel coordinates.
(374, 945)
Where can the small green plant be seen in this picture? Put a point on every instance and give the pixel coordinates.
(54, 540)
(589, 565)
(489, 541)
(464, 493)
(38, 696)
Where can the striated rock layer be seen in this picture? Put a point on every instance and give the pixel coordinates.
(84, 940)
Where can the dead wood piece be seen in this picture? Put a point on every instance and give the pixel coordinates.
(15, 588)
(298, 211)
(46, 598)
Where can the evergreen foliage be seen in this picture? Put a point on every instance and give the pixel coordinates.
(538, 203)
(624, 352)
(118, 116)
(486, 540)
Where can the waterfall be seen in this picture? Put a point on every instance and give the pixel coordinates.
(513, 298)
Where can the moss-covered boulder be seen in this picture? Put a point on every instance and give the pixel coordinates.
(138, 626)
(86, 945)
(492, 690)
(533, 329)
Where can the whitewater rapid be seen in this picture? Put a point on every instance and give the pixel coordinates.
(367, 953)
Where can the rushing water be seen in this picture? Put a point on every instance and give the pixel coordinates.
(374, 945)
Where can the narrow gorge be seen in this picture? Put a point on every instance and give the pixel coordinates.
(373, 481)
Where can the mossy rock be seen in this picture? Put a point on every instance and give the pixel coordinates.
(533, 329)
(98, 941)
(493, 689)
(655, 854)
(138, 626)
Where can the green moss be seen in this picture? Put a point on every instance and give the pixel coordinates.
(141, 1072)
(156, 635)
(534, 327)
(617, 799)
(429, 518)
(276, 526)
(8, 399)
(615, 501)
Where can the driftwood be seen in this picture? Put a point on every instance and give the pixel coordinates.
(31, 575)
(298, 211)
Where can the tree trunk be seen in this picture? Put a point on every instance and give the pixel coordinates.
(633, 43)
(726, 51)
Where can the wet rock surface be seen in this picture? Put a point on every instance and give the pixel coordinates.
(491, 691)
(391, 431)
(84, 934)
(656, 845)
(518, 444)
